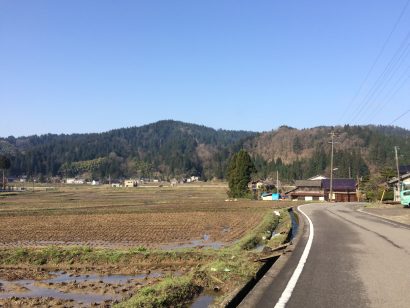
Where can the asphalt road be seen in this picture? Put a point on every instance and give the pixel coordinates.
(355, 260)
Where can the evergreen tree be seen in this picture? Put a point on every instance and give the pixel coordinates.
(4, 164)
(297, 145)
(240, 170)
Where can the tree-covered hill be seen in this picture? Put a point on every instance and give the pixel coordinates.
(169, 148)
(358, 150)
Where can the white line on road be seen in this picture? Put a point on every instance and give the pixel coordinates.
(287, 293)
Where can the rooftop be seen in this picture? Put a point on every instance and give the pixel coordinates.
(340, 184)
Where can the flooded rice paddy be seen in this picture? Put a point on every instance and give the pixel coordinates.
(79, 290)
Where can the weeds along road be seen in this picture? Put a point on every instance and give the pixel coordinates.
(355, 260)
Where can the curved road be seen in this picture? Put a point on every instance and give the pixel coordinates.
(355, 260)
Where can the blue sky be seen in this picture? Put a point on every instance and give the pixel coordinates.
(90, 66)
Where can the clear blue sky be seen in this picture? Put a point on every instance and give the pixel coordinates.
(90, 66)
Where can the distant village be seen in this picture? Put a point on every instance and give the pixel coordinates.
(317, 188)
(111, 182)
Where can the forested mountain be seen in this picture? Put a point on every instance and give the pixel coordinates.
(168, 149)
(299, 154)
(165, 148)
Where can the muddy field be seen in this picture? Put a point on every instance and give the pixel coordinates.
(82, 246)
(107, 217)
(70, 289)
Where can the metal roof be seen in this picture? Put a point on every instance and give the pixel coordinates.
(308, 183)
(404, 169)
(340, 184)
(402, 177)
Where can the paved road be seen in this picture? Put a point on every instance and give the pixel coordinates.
(356, 260)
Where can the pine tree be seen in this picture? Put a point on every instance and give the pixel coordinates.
(240, 170)
(4, 164)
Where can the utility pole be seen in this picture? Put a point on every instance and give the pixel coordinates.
(332, 135)
(277, 181)
(398, 170)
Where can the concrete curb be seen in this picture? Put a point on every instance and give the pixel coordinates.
(266, 274)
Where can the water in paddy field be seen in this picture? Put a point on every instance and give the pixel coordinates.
(295, 224)
(202, 301)
(204, 242)
(28, 288)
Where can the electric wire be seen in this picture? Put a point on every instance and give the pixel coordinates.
(401, 81)
(398, 20)
(400, 116)
(393, 65)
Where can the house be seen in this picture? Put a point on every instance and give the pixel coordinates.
(130, 183)
(307, 190)
(404, 169)
(75, 181)
(116, 183)
(343, 190)
(393, 183)
(258, 185)
(95, 183)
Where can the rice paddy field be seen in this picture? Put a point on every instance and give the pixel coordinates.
(64, 246)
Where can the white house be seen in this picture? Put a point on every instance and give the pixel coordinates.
(130, 183)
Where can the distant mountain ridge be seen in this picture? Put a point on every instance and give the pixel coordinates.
(176, 149)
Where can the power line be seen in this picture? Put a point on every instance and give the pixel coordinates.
(376, 59)
(385, 77)
(401, 81)
(400, 116)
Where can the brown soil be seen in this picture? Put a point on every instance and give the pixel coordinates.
(127, 218)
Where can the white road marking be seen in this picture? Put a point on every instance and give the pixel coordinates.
(287, 293)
